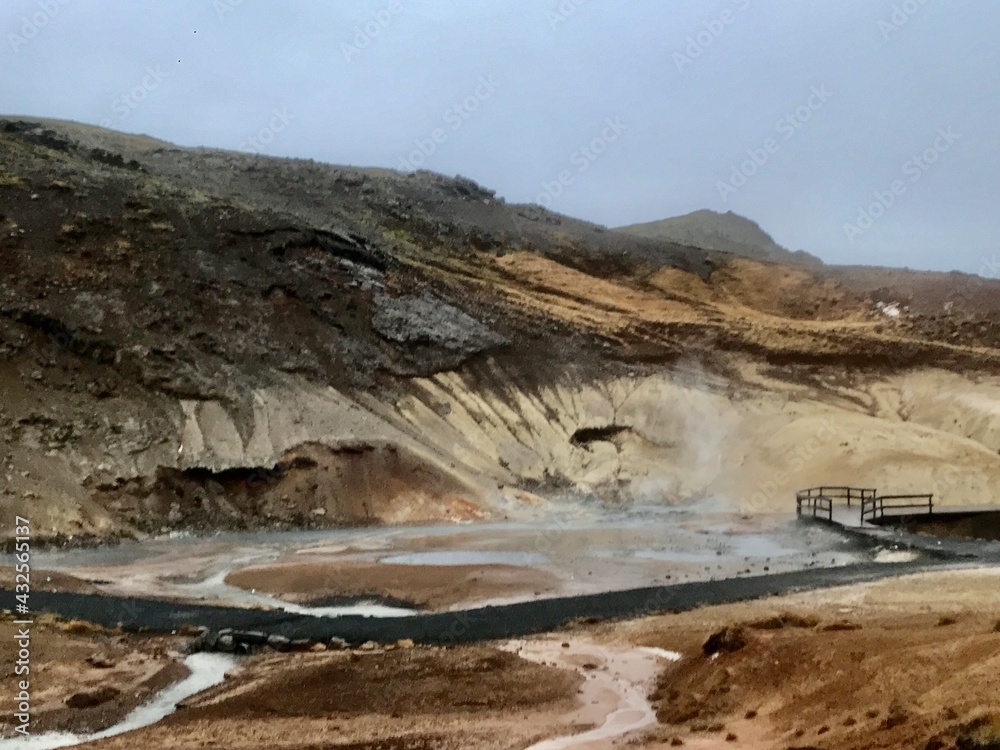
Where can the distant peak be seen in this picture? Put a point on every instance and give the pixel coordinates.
(726, 232)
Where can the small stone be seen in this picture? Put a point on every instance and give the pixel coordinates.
(368, 646)
(100, 661)
(338, 644)
(405, 643)
(728, 640)
(278, 642)
(90, 698)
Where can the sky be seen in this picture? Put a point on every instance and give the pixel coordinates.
(863, 131)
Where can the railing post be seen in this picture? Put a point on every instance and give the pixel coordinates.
(930, 505)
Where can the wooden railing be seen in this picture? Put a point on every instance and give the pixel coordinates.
(817, 501)
(874, 508)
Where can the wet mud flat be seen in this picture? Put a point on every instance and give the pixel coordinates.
(589, 550)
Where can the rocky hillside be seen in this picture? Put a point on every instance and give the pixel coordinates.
(196, 339)
(726, 232)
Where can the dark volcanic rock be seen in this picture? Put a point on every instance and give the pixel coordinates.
(726, 641)
(426, 319)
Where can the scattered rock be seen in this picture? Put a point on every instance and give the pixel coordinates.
(338, 644)
(897, 716)
(982, 733)
(91, 698)
(100, 660)
(784, 620)
(279, 642)
(405, 643)
(843, 625)
(252, 637)
(728, 640)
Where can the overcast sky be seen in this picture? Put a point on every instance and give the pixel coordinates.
(864, 131)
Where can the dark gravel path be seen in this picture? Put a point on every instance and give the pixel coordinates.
(487, 623)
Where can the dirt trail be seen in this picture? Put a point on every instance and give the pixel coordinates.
(614, 693)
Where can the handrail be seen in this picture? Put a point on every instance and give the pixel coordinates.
(876, 506)
(837, 487)
(820, 500)
(816, 503)
(837, 493)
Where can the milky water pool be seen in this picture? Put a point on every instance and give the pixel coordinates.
(206, 670)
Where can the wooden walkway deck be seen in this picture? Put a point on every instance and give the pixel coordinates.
(856, 506)
(864, 507)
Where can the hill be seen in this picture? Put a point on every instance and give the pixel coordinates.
(197, 339)
(728, 232)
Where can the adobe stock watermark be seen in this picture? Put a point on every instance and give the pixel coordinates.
(711, 30)
(454, 118)
(913, 170)
(224, 7)
(280, 119)
(366, 33)
(901, 15)
(562, 12)
(128, 101)
(990, 267)
(581, 158)
(32, 25)
(786, 128)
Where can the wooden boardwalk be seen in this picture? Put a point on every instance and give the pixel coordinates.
(858, 506)
(865, 508)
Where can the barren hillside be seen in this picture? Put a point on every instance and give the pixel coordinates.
(194, 339)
